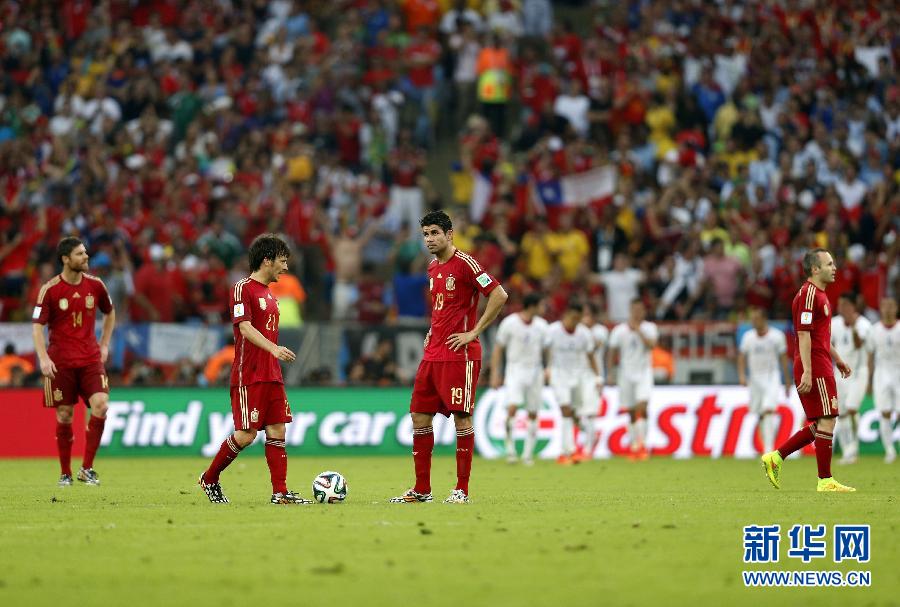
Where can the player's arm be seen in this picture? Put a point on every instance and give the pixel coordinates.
(495, 302)
(593, 363)
(869, 384)
(804, 341)
(48, 368)
(741, 368)
(496, 361)
(843, 367)
(109, 323)
(249, 332)
(785, 370)
(649, 340)
(610, 358)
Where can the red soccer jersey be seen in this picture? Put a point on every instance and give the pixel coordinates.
(812, 313)
(455, 285)
(70, 311)
(251, 300)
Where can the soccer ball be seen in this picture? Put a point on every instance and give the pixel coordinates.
(329, 488)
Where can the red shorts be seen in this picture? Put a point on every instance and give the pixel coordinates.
(445, 386)
(821, 400)
(259, 405)
(69, 384)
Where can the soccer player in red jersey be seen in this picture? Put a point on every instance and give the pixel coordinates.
(447, 376)
(813, 372)
(258, 399)
(72, 364)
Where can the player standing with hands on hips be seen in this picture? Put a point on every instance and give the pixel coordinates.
(883, 346)
(258, 399)
(72, 364)
(448, 374)
(813, 372)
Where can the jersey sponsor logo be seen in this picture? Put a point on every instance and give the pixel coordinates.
(806, 318)
(37, 313)
(451, 283)
(238, 310)
(826, 309)
(64, 304)
(484, 280)
(262, 303)
(89, 302)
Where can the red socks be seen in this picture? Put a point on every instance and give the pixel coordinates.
(423, 445)
(800, 439)
(276, 457)
(64, 446)
(823, 453)
(92, 440)
(465, 445)
(227, 453)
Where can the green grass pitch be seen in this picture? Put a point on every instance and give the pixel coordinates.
(661, 532)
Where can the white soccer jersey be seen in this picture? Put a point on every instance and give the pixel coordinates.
(842, 340)
(568, 351)
(634, 356)
(601, 338)
(884, 342)
(523, 343)
(763, 352)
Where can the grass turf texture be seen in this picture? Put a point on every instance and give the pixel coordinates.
(610, 532)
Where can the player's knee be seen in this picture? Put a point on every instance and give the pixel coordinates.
(244, 437)
(275, 431)
(64, 415)
(886, 415)
(462, 421)
(421, 420)
(511, 411)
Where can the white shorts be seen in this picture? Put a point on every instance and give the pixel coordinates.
(524, 390)
(764, 396)
(634, 391)
(886, 393)
(851, 391)
(570, 390)
(590, 396)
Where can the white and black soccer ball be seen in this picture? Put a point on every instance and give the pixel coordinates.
(329, 488)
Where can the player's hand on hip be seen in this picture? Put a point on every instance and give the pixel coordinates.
(458, 340)
(844, 368)
(48, 368)
(282, 353)
(805, 384)
(104, 354)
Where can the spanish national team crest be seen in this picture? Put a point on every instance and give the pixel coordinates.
(57, 395)
(262, 303)
(826, 309)
(89, 302)
(63, 304)
(287, 409)
(254, 416)
(451, 283)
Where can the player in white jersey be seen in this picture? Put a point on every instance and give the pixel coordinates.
(634, 342)
(764, 350)
(593, 390)
(884, 362)
(849, 331)
(569, 345)
(520, 340)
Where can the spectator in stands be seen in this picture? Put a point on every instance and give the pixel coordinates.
(722, 276)
(10, 362)
(378, 368)
(291, 296)
(217, 371)
(157, 297)
(622, 285)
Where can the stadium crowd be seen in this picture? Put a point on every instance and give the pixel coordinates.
(168, 134)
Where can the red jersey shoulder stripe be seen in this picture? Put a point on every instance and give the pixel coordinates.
(47, 286)
(810, 295)
(470, 261)
(239, 288)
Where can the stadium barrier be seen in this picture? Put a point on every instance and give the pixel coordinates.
(685, 421)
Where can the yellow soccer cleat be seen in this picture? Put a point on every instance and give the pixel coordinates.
(829, 484)
(772, 465)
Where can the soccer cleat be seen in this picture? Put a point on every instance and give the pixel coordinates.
(511, 458)
(847, 459)
(889, 458)
(527, 461)
(411, 497)
(65, 480)
(642, 454)
(457, 496)
(289, 498)
(772, 465)
(565, 460)
(829, 484)
(88, 476)
(213, 491)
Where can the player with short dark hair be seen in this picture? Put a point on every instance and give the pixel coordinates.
(258, 399)
(448, 374)
(813, 372)
(73, 362)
